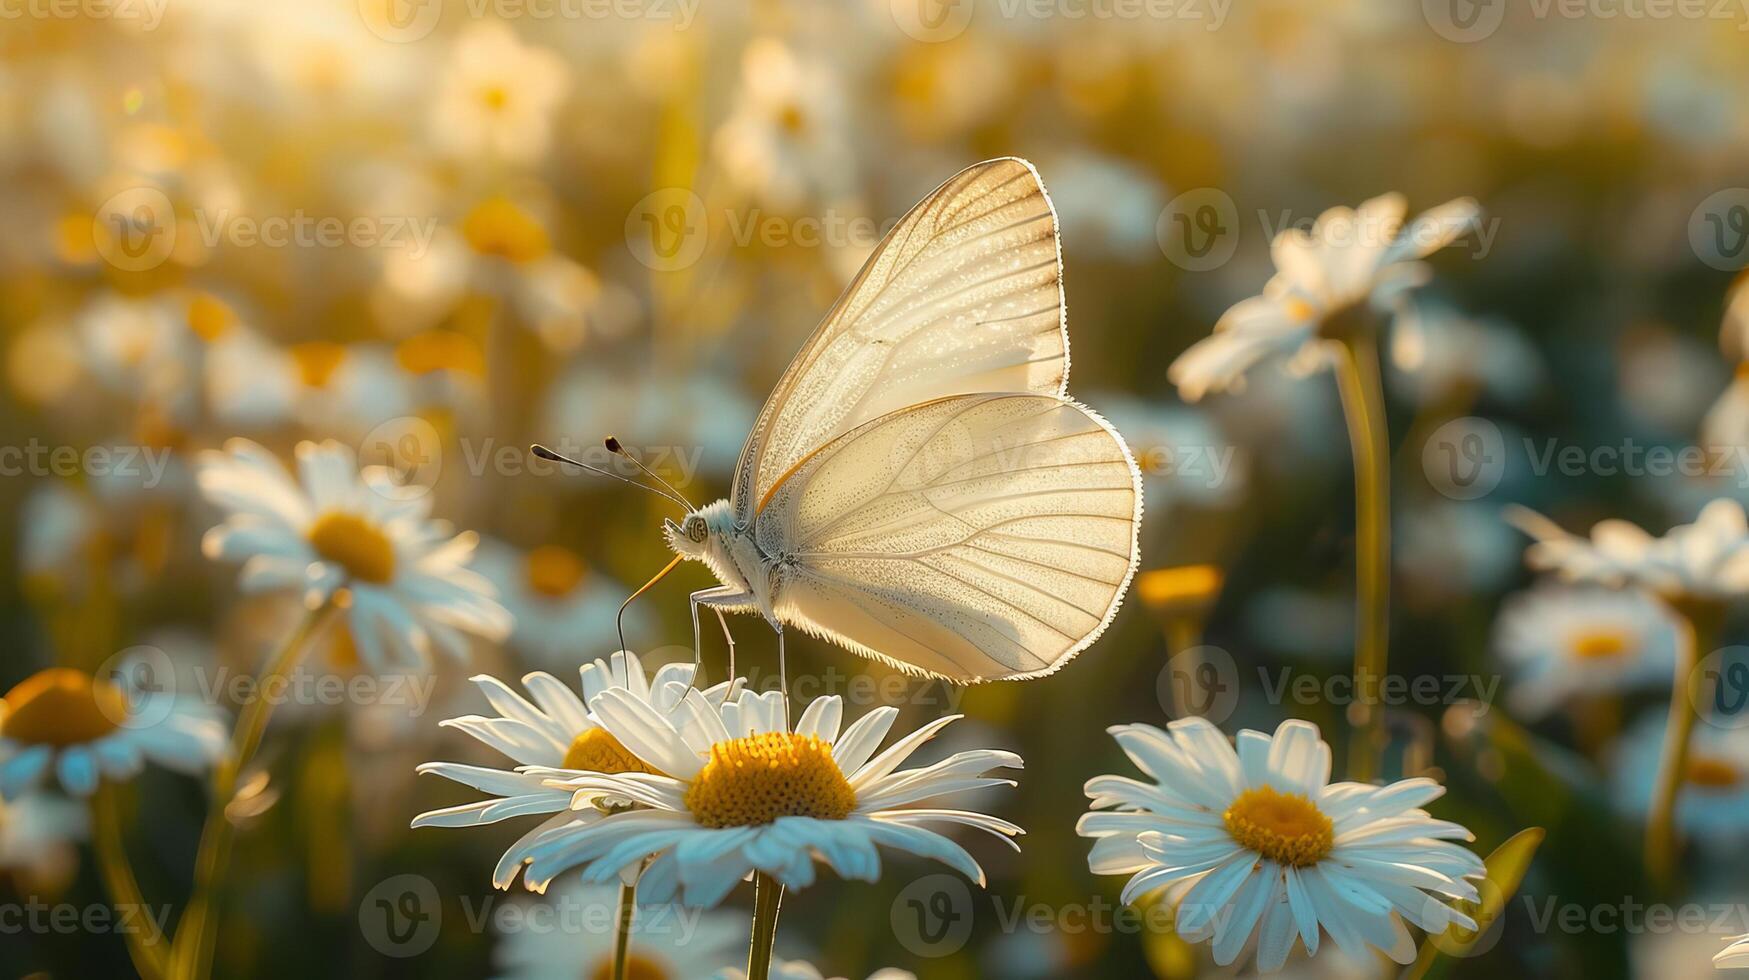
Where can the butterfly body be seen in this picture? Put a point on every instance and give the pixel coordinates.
(919, 488)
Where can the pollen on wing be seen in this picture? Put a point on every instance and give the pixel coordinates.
(753, 780)
(1286, 828)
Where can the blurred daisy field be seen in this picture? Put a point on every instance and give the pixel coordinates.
(1377, 607)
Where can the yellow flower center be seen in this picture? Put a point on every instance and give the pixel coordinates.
(637, 968)
(354, 544)
(498, 227)
(597, 751)
(317, 361)
(1286, 828)
(1174, 589)
(792, 119)
(555, 572)
(440, 350)
(1711, 773)
(495, 97)
(1599, 644)
(753, 780)
(61, 707)
(209, 317)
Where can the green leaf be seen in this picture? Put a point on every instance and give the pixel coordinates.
(1506, 869)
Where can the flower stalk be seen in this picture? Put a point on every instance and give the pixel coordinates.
(767, 896)
(196, 935)
(622, 935)
(1363, 408)
(145, 947)
(1701, 621)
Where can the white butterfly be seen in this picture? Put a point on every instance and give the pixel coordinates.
(919, 489)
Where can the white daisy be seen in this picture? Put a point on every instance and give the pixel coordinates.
(787, 139)
(559, 601)
(1327, 281)
(39, 834)
(1713, 802)
(80, 729)
(803, 970)
(745, 793)
(1443, 356)
(667, 941)
(1735, 956)
(1566, 642)
(1706, 560)
(360, 540)
(555, 732)
(1260, 841)
(498, 97)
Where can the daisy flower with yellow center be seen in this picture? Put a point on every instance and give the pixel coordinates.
(554, 735)
(1712, 800)
(497, 97)
(1566, 642)
(1330, 280)
(79, 729)
(803, 970)
(359, 540)
(737, 791)
(1259, 841)
(667, 942)
(1707, 560)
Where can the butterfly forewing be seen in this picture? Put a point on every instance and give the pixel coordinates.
(964, 295)
(972, 537)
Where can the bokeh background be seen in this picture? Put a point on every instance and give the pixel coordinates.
(439, 231)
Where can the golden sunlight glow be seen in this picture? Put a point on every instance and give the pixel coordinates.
(61, 707)
(209, 317)
(1286, 828)
(753, 780)
(440, 350)
(356, 545)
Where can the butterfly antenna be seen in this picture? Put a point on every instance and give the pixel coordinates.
(619, 619)
(614, 446)
(545, 453)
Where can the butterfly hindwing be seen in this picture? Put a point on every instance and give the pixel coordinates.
(972, 537)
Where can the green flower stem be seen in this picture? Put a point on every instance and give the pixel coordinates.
(767, 896)
(146, 947)
(1661, 843)
(622, 936)
(1363, 408)
(196, 935)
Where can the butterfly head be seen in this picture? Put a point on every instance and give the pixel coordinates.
(693, 535)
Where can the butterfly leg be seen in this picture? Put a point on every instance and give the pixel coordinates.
(717, 598)
(728, 638)
(783, 675)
